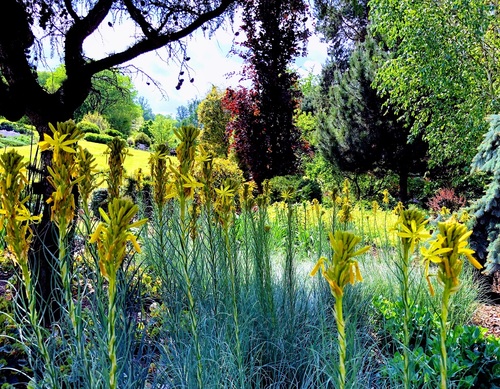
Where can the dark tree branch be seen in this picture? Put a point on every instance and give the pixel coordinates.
(154, 43)
(71, 11)
(77, 34)
(136, 16)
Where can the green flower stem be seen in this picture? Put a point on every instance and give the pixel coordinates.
(112, 332)
(444, 319)
(289, 266)
(406, 314)
(339, 318)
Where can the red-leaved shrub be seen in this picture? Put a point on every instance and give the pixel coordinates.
(446, 198)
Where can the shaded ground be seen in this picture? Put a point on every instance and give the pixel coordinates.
(488, 314)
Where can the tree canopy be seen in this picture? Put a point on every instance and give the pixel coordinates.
(275, 34)
(444, 70)
(214, 119)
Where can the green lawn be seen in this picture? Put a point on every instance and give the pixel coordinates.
(136, 158)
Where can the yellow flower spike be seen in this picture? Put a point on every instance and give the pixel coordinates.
(411, 228)
(451, 242)
(342, 269)
(385, 193)
(113, 233)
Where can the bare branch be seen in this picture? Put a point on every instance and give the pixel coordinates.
(155, 43)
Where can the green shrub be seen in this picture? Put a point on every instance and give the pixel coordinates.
(21, 140)
(303, 188)
(146, 128)
(21, 128)
(98, 138)
(112, 133)
(472, 353)
(223, 169)
(142, 138)
(96, 118)
(88, 127)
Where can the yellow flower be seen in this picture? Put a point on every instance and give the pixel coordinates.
(444, 211)
(287, 195)
(190, 184)
(445, 251)
(385, 200)
(411, 228)
(65, 136)
(112, 234)
(342, 269)
(225, 192)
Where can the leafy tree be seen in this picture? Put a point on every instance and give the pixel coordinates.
(186, 114)
(65, 25)
(358, 134)
(162, 130)
(147, 111)
(113, 96)
(214, 119)
(241, 130)
(52, 81)
(443, 72)
(275, 34)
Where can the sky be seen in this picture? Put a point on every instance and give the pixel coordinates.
(211, 63)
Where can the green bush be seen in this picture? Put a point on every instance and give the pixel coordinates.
(303, 188)
(98, 138)
(142, 138)
(112, 133)
(21, 140)
(146, 128)
(21, 128)
(223, 169)
(88, 127)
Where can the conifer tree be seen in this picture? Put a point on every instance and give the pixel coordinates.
(358, 132)
(486, 211)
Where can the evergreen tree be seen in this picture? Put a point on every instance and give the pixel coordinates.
(356, 130)
(214, 119)
(486, 211)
